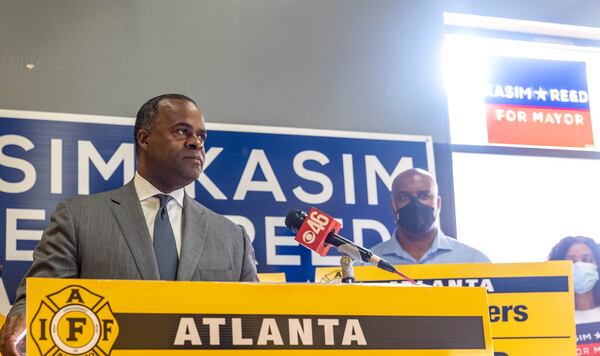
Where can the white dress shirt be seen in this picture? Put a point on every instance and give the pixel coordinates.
(146, 193)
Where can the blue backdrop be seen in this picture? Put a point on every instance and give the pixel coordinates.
(253, 174)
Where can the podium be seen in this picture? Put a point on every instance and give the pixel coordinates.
(102, 317)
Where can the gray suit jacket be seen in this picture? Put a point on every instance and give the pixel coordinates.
(105, 236)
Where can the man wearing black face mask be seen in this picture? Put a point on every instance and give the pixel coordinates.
(418, 237)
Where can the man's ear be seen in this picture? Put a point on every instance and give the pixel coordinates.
(142, 139)
(439, 203)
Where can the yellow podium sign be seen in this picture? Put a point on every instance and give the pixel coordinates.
(531, 304)
(272, 277)
(101, 317)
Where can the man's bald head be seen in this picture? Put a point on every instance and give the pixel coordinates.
(414, 176)
(415, 202)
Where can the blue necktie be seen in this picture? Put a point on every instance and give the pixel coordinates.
(164, 241)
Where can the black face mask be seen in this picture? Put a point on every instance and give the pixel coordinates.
(415, 217)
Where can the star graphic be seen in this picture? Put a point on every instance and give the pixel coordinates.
(541, 93)
(597, 335)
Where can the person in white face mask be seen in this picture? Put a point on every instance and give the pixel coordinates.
(585, 254)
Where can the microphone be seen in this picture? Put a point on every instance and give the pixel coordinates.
(317, 231)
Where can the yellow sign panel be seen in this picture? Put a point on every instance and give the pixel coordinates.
(99, 317)
(531, 304)
(272, 277)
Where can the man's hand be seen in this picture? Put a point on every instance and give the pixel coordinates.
(13, 326)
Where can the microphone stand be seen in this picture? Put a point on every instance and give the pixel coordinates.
(346, 262)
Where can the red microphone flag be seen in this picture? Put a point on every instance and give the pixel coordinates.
(315, 229)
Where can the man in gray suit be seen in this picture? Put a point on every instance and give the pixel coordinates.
(149, 229)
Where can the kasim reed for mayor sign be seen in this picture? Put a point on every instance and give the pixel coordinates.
(253, 174)
(538, 102)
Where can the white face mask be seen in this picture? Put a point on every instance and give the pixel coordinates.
(585, 276)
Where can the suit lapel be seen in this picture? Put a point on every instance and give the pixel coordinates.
(193, 237)
(128, 211)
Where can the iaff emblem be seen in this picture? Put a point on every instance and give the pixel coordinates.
(74, 321)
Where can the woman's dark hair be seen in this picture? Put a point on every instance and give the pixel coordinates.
(559, 252)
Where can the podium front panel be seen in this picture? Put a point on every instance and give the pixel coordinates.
(101, 317)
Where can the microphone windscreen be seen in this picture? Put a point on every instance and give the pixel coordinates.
(294, 219)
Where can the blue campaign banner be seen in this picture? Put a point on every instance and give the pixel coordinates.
(588, 338)
(253, 174)
(537, 83)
